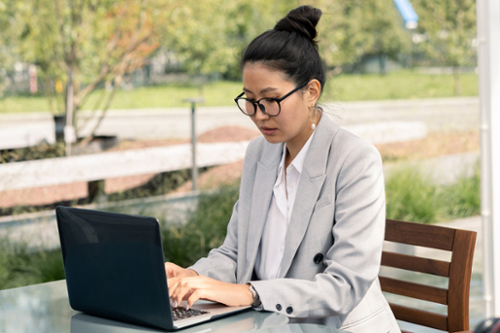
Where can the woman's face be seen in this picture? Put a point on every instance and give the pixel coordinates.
(292, 125)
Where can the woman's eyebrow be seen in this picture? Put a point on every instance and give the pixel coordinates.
(263, 91)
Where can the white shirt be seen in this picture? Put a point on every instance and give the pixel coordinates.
(272, 243)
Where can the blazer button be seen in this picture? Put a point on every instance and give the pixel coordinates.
(318, 258)
(278, 307)
(289, 310)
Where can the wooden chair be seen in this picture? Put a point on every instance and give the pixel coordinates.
(461, 243)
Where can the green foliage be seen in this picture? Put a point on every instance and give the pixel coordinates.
(449, 28)
(80, 46)
(349, 30)
(207, 43)
(403, 84)
(412, 197)
(205, 230)
(41, 151)
(20, 266)
(463, 198)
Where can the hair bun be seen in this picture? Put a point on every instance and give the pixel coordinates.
(302, 20)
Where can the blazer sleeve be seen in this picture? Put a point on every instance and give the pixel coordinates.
(353, 261)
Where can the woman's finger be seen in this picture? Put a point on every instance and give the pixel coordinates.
(181, 289)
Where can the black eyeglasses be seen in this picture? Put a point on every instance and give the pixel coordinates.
(269, 106)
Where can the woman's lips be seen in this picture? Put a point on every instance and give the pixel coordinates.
(268, 130)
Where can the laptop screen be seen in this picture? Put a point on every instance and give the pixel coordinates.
(114, 265)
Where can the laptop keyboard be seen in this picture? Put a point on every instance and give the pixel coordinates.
(181, 313)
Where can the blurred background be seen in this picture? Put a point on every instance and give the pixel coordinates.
(97, 101)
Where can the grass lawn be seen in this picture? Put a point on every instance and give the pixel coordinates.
(403, 84)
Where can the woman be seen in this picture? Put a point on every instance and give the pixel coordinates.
(305, 237)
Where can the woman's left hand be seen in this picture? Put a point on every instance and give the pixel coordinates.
(192, 289)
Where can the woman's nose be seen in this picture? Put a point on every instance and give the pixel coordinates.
(259, 113)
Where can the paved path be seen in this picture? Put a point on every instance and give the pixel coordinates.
(437, 114)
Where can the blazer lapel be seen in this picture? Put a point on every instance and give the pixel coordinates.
(310, 185)
(265, 177)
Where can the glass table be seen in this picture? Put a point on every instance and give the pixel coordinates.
(44, 308)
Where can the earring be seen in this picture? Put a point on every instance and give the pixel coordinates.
(312, 110)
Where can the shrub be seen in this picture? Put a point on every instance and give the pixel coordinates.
(205, 229)
(411, 197)
(21, 266)
(463, 198)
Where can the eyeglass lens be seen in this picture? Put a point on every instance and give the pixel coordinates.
(268, 106)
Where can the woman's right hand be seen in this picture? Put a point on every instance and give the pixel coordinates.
(175, 271)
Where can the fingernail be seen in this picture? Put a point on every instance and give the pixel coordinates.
(187, 306)
(175, 303)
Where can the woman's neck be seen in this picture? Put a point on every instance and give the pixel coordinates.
(293, 147)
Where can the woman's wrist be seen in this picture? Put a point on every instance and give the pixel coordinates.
(256, 303)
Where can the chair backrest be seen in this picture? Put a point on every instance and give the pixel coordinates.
(461, 244)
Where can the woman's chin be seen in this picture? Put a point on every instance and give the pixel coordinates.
(272, 138)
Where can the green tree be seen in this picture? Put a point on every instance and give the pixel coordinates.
(214, 32)
(9, 29)
(87, 44)
(350, 30)
(449, 30)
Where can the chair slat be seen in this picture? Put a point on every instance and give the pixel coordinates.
(419, 234)
(415, 290)
(416, 264)
(420, 317)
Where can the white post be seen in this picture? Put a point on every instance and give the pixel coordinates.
(488, 30)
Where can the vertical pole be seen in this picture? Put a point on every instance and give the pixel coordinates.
(488, 30)
(69, 131)
(194, 172)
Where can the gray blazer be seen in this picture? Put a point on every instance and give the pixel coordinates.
(334, 241)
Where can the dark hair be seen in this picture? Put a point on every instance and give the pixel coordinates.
(290, 47)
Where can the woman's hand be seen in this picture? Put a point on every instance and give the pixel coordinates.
(192, 289)
(173, 270)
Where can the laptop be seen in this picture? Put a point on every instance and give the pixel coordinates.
(114, 268)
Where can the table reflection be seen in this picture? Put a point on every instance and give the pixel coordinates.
(249, 321)
(242, 322)
(44, 308)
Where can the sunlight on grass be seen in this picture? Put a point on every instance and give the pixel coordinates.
(404, 84)
(412, 197)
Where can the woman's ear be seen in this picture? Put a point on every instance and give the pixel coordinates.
(314, 91)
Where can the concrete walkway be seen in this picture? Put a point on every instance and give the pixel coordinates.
(438, 114)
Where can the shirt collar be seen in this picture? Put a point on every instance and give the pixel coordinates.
(298, 161)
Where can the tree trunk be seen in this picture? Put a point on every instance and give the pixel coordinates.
(456, 79)
(382, 62)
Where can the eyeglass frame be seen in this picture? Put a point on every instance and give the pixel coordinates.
(262, 107)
